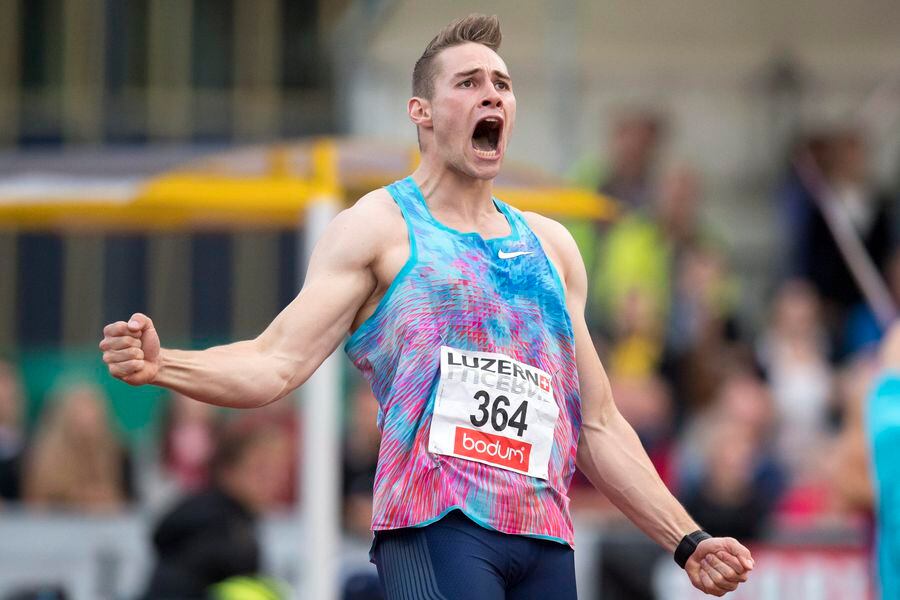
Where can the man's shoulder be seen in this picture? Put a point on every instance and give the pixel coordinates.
(376, 199)
(377, 208)
(369, 215)
(358, 234)
(559, 244)
(551, 231)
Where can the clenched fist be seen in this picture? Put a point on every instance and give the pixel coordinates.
(719, 565)
(131, 350)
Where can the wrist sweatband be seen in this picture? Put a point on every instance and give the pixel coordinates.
(687, 546)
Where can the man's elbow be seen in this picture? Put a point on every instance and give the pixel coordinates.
(287, 374)
(598, 416)
(582, 451)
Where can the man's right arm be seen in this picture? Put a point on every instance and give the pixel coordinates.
(256, 372)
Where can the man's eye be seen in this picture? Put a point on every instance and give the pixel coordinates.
(466, 83)
(502, 85)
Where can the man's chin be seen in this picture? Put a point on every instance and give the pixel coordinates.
(482, 169)
(475, 168)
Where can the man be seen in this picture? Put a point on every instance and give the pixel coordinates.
(629, 175)
(210, 537)
(467, 319)
(883, 432)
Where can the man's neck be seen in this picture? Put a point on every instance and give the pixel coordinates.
(450, 192)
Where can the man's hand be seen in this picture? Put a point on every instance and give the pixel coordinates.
(131, 350)
(718, 565)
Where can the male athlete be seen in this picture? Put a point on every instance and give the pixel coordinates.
(467, 319)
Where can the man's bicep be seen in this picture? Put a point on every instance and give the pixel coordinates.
(338, 282)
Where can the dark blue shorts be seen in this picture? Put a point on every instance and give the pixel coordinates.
(456, 559)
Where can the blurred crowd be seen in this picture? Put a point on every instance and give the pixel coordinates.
(754, 424)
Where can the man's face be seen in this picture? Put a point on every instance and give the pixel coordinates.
(473, 110)
(635, 142)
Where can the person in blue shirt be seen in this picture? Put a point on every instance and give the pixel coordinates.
(883, 433)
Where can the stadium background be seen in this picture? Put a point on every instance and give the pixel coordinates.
(103, 93)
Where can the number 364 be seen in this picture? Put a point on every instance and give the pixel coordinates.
(497, 414)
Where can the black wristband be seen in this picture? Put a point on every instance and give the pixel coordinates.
(687, 546)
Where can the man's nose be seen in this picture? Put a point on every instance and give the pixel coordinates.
(492, 99)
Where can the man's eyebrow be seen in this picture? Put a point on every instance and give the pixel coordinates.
(470, 72)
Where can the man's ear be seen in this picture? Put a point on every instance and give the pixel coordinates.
(419, 110)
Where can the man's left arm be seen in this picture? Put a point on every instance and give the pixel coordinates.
(612, 457)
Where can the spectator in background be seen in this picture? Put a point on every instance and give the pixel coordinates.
(636, 340)
(702, 345)
(793, 353)
(849, 465)
(634, 149)
(642, 253)
(843, 161)
(703, 300)
(728, 500)
(667, 298)
(76, 462)
(834, 485)
(796, 204)
(862, 331)
(745, 481)
(283, 417)
(188, 438)
(628, 175)
(677, 207)
(185, 446)
(210, 536)
(12, 435)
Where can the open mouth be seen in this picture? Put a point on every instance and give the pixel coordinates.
(486, 137)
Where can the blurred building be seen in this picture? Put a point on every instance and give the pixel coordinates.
(141, 71)
(83, 84)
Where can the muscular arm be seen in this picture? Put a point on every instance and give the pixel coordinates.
(255, 372)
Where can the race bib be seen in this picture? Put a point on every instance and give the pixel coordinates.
(494, 410)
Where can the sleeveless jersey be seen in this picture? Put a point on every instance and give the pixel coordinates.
(493, 309)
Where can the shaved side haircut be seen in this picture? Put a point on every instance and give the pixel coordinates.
(479, 29)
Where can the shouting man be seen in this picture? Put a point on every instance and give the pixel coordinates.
(466, 316)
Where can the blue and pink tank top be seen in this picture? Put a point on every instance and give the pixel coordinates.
(471, 356)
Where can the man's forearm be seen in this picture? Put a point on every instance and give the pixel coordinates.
(236, 375)
(612, 457)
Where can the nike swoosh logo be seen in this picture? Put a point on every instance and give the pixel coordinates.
(503, 254)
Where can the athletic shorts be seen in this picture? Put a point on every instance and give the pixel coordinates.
(456, 559)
